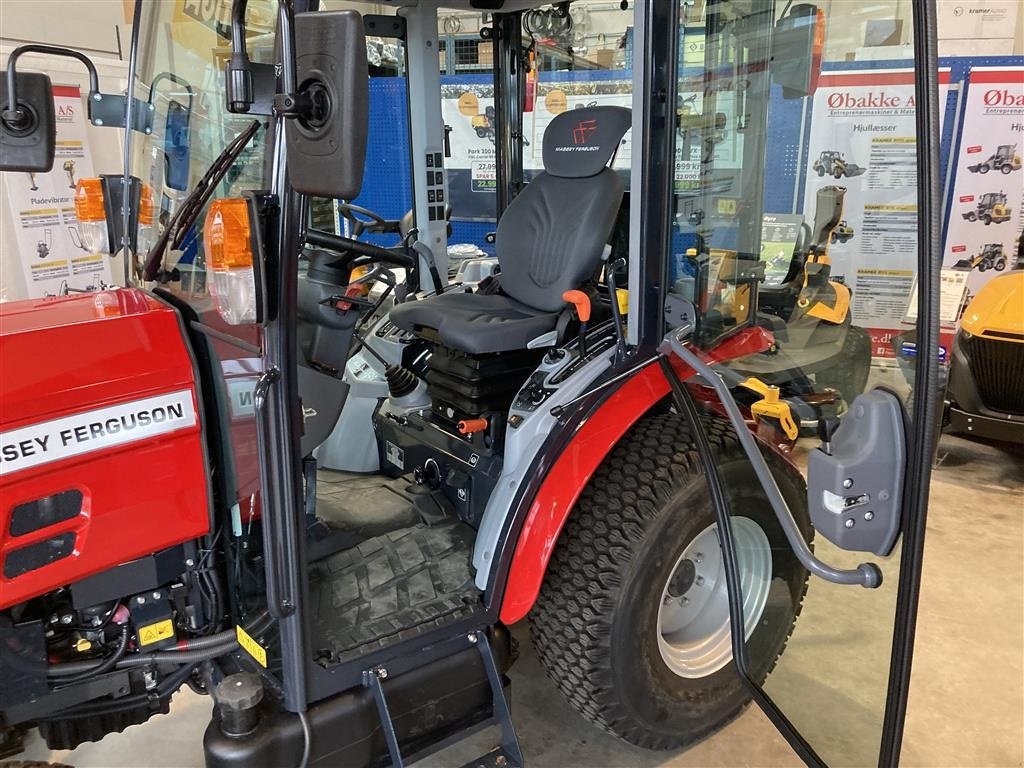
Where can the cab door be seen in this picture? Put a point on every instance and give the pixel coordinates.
(829, 263)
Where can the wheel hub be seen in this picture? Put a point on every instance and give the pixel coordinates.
(693, 617)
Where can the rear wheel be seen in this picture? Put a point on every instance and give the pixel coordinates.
(1006, 169)
(632, 622)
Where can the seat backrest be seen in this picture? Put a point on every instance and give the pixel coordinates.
(551, 236)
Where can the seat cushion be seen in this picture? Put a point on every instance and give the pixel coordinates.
(476, 323)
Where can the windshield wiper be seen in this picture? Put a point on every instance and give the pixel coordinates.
(188, 213)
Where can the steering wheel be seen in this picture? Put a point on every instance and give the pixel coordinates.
(365, 220)
(351, 250)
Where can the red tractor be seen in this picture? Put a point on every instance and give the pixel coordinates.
(304, 474)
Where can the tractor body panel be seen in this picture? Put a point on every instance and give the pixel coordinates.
(107, 405)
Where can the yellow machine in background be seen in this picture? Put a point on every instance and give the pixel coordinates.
(985, 397)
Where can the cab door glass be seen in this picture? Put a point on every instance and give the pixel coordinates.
(183, 51)
(795, 239)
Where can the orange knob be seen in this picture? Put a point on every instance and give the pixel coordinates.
(581, 301)
(469, 426)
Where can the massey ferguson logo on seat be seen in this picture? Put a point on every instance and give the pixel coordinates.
(580, 136)
(581, 133)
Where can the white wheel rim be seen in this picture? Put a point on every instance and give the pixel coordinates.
(693, 613)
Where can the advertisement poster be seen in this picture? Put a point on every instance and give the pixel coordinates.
(53, 258)
(862, 138)
(986, 212)
(468, 108)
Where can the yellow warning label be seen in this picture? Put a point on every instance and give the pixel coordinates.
(154, 633)
(727, 206)
(251, 647)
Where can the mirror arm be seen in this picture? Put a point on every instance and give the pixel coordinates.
(174, 79)
(13, 115)
(866, 575)
(238, 81)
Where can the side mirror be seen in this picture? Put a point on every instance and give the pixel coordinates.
(176, 133)
(28, 129)
(326, 140)
(797, 47)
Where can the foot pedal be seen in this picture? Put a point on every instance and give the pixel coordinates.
(507, 755)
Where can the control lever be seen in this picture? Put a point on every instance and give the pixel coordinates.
(866, 574)
(620, 330)
(581, 303)
(826, 429)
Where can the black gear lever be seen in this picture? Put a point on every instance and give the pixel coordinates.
(826, 430)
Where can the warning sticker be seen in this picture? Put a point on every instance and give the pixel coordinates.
(95, 430)
(154, 633)
(250, 646)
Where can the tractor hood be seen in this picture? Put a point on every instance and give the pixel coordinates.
(998, 309)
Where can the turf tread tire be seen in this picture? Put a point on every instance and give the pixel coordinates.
(572, 621)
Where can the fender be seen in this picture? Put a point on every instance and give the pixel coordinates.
(573, 469)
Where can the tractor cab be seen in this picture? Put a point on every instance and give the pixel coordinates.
(489, 328)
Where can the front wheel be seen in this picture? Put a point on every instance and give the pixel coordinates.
(632, 622)
(983, 169)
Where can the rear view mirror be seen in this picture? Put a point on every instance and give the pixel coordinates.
(797, 47)
(326, 141)
(28, 129)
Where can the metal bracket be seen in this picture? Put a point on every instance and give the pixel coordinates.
(109, 110)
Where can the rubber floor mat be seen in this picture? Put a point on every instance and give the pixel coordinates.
(390, 588)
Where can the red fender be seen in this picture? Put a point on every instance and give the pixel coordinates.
(577, 463)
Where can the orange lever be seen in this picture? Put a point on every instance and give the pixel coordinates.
(469, 426)
(581, 301)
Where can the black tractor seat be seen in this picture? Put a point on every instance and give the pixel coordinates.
(549, 240)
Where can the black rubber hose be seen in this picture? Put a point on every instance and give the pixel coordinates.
(178, 657)
(202, 646)
(104, 666)
(164, 688)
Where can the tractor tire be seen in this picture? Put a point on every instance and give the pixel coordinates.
(1000, 265)
(982, 267)
(820, 170)
(1006, 169)
(983, 168)
(849, 374)
(837, 174)
(597, 625)
(972, 216)
(987, 219)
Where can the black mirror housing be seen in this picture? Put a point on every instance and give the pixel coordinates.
(326, 141)
(28, 145)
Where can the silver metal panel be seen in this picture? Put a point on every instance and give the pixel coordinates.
(426, 129)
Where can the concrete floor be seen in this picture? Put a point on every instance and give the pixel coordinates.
(967, 695)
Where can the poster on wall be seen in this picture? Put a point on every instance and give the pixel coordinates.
(986, 209)
(53, 257)
(863, 138)
(468, 109)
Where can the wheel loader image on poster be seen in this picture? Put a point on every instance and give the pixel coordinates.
(990, 208)
(1005, 160)
(991, 257)
(833, 163)
(325, 486)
